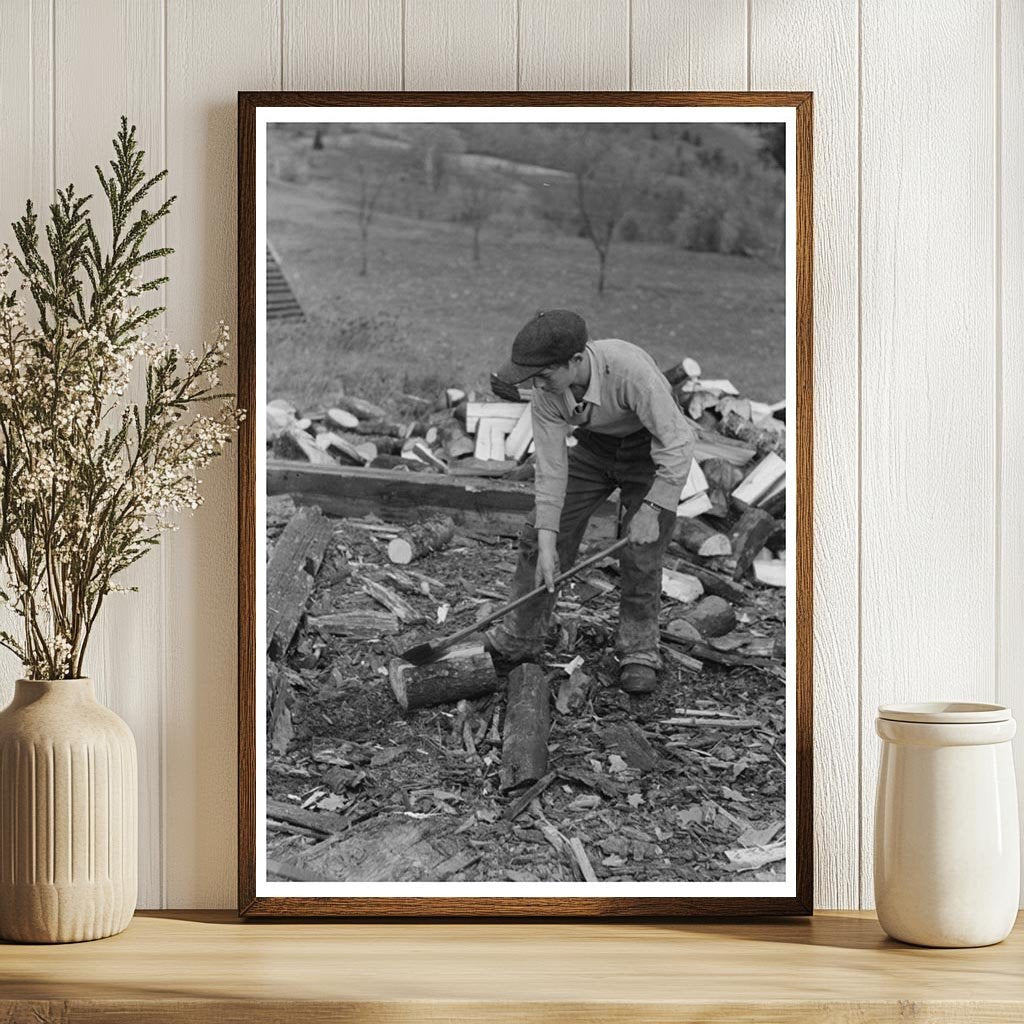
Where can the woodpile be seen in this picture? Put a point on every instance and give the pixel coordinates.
(739, 467)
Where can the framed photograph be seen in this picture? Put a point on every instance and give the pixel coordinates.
(525, 504)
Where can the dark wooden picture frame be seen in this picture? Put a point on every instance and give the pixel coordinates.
(250, 904)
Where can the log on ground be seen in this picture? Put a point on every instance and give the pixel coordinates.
(713, 582)
(464, 672)
(420, 540)
(524, 749)
(357, 625)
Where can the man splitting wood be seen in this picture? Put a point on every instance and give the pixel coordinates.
(630, 434)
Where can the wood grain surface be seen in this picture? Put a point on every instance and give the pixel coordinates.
(209, 967)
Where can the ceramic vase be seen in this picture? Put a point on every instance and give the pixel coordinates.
(68, 815)
(947, 847)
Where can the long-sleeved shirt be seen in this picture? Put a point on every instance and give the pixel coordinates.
(626, 392)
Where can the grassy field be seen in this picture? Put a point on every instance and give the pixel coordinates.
(426, 317)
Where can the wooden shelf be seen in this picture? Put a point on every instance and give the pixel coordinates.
(208, 966)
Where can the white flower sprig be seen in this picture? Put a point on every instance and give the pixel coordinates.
(89, 478)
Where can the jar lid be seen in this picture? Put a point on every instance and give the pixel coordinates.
(944, 713)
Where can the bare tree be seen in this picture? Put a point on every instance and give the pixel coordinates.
(478, 198)
(371, 184)
(608, 181)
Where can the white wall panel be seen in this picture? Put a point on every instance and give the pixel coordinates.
(1010, 265)
(928, 522)
(342, 44)
(213, 51)
(689, 44)
(467, 45)
(126, 654)
(934, 153)
(574, 44)
(780, 59)
(26, 172)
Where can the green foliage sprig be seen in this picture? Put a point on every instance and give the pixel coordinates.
(89, 478)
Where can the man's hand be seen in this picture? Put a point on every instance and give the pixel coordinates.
(547, 560)
(643, 527)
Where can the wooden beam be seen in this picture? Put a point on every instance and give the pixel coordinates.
(493, 506)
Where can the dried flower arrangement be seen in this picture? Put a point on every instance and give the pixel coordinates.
(89, 477)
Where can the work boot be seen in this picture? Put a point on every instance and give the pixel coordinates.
(503, 663)
(635, 678)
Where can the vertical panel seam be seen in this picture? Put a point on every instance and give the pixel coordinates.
(33, 155)
(53, 98)
(519, 28)
(403, 12)
(997, 160)
(629, 44)
(161, 710)
(860, 457)
(750, 16)
(280, 40)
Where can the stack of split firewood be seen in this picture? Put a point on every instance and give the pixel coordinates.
(732, 508)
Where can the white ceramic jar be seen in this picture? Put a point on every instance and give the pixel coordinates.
(947, 846)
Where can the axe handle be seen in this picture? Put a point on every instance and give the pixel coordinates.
(512, 605)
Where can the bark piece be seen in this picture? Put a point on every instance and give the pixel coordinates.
(464, 672)
(317, 821)
(524, 748)
(748, 537)
(366, 625)
(697, 536)
(394, 604)
(420, 540)
(298, 555)
(527, 797)
(582, 860)
(713, 616)
(628, 740)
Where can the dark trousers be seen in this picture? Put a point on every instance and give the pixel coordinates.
(597, 465)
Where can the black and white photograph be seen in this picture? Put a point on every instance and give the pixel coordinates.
(526, 502)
